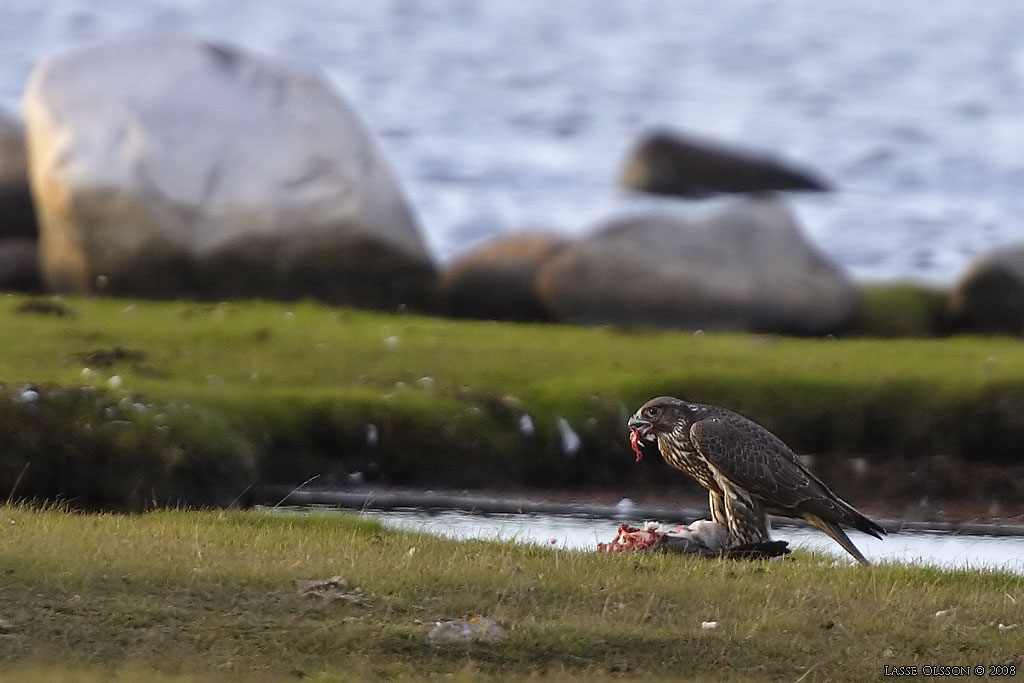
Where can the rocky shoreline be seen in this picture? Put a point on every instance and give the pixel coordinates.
(237, 175)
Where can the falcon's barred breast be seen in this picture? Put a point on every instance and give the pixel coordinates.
(748, 471)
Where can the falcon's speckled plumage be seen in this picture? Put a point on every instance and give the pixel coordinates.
(748, 471)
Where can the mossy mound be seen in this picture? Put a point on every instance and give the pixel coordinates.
(251, 393)
(902, 309)
(99, 449)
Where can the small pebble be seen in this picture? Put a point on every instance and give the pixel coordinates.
(391, 342)
(708, 625)
(115, 382)
(943, 613)
(28, 396)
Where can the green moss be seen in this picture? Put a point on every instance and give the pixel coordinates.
(100, 449)
(902, 309)
(260, 392)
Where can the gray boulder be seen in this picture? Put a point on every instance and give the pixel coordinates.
(674, 164)
(495, 281)
(989, 296)
(747, 267)
(167, 166)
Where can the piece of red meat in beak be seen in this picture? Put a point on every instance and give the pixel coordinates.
(638, 430)
(634, 441)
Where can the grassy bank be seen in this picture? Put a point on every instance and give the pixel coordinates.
(196, 402)
(213, 596)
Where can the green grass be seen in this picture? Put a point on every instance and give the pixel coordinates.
(249, 392)
(902, 309)
(203, 596)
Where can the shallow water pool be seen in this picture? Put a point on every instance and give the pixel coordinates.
(579, 532)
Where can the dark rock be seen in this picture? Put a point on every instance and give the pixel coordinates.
(673, 164)
(19, 264)
(989, 296)
(17, 216)
(496, 280)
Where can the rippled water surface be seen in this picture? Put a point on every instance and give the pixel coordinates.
(500, 115)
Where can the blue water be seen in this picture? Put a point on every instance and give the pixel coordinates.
(505, 115)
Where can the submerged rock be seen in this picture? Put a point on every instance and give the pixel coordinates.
(675, 164)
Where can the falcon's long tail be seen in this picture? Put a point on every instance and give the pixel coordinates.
(862, 523)
(838, 535)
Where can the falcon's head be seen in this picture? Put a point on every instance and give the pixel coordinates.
(658, 416)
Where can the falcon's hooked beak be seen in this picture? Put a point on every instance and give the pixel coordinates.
(639, 430)
(641, 426)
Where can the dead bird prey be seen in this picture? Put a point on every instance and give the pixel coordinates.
(748, 471)
(701, 538)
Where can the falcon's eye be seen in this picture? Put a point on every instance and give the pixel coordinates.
(652, 411)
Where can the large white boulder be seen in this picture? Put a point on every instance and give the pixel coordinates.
(167, 165)
(746, 267)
